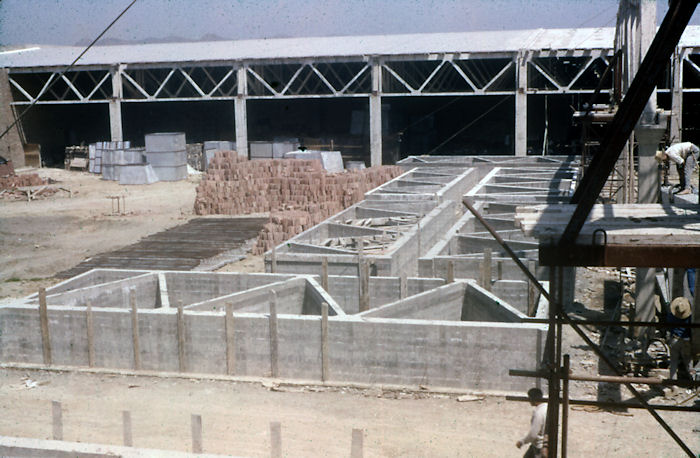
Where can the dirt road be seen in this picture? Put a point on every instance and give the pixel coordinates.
(236, 418)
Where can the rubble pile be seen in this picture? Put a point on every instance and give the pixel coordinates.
(298, 193)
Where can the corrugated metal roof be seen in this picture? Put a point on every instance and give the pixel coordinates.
(324, 47)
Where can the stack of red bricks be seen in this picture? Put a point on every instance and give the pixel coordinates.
(298, 193)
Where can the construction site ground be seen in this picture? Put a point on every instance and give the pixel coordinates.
(45, 236)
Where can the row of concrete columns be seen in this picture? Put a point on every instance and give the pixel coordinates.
(375, 107)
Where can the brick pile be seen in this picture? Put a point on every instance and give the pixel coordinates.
(298, 193)
(9, 185)
(18, 181)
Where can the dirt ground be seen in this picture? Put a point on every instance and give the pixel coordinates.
(315, 422)
(42, 237)
(48, 235)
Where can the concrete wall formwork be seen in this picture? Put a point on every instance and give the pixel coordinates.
(430, 339)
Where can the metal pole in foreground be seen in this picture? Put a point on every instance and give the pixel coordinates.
(564, 316)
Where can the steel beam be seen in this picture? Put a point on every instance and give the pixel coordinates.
(620, 255)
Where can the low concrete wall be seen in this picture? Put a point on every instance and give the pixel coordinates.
(439, 353)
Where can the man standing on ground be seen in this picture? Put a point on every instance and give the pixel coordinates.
(535, 436)
(685, 156)
(679, 337)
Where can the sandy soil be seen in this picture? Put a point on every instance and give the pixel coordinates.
(315, 422)
(40, 238)
(43, 237)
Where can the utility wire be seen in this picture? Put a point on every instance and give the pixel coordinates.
(468, 125)
(36, 99)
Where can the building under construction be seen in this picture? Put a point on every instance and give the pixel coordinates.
(521, 156)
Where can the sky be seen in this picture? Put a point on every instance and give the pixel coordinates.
(67, 22)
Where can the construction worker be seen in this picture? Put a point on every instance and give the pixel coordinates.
(685, 156)
(679, 337)
(536, 435)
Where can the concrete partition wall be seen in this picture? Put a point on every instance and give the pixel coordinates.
(430, 350)
(111, 294)
(382, 290)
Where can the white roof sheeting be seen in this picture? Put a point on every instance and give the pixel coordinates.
(323, 47)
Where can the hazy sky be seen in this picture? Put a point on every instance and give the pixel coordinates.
(69, 21)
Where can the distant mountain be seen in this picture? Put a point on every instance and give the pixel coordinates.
(169, 39)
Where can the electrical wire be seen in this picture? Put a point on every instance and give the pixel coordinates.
(468, 125)
(60, 75)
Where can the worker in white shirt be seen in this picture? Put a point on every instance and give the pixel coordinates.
(536, 435)
(685, 156)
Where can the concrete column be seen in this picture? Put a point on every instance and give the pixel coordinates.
(241, 113)
(521, 105)
(676, 133)
(648, 138)
(375, 116)
(11, 144)
(115, 105)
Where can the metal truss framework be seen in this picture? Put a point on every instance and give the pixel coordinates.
(506, 74)
(548, 72)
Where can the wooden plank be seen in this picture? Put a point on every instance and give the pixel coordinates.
(274, 341)
(90, 327)
(181, 357)
(324, 342)
(136, 347)
(230, 341)
(44, 323)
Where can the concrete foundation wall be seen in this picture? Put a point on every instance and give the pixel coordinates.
(438, 353)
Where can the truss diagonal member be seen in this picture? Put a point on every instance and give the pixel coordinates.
(464, 76)
(137, 85)
(46, 86)
(292, 79)
(72, 87)
(323, 78)
(431, 76)
(191, 81)
(209, 77)
(262, 80)
(580, 72)
(692, 64)
(545, 74)
(21, 89)
(223, 80)
(165, 81)
(401, 80)
(354, 78)
(498, 75)
(97, 86)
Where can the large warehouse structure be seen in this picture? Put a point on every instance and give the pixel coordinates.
(378, 98)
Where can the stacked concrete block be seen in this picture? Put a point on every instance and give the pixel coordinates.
(166, 152)
(298, 193)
